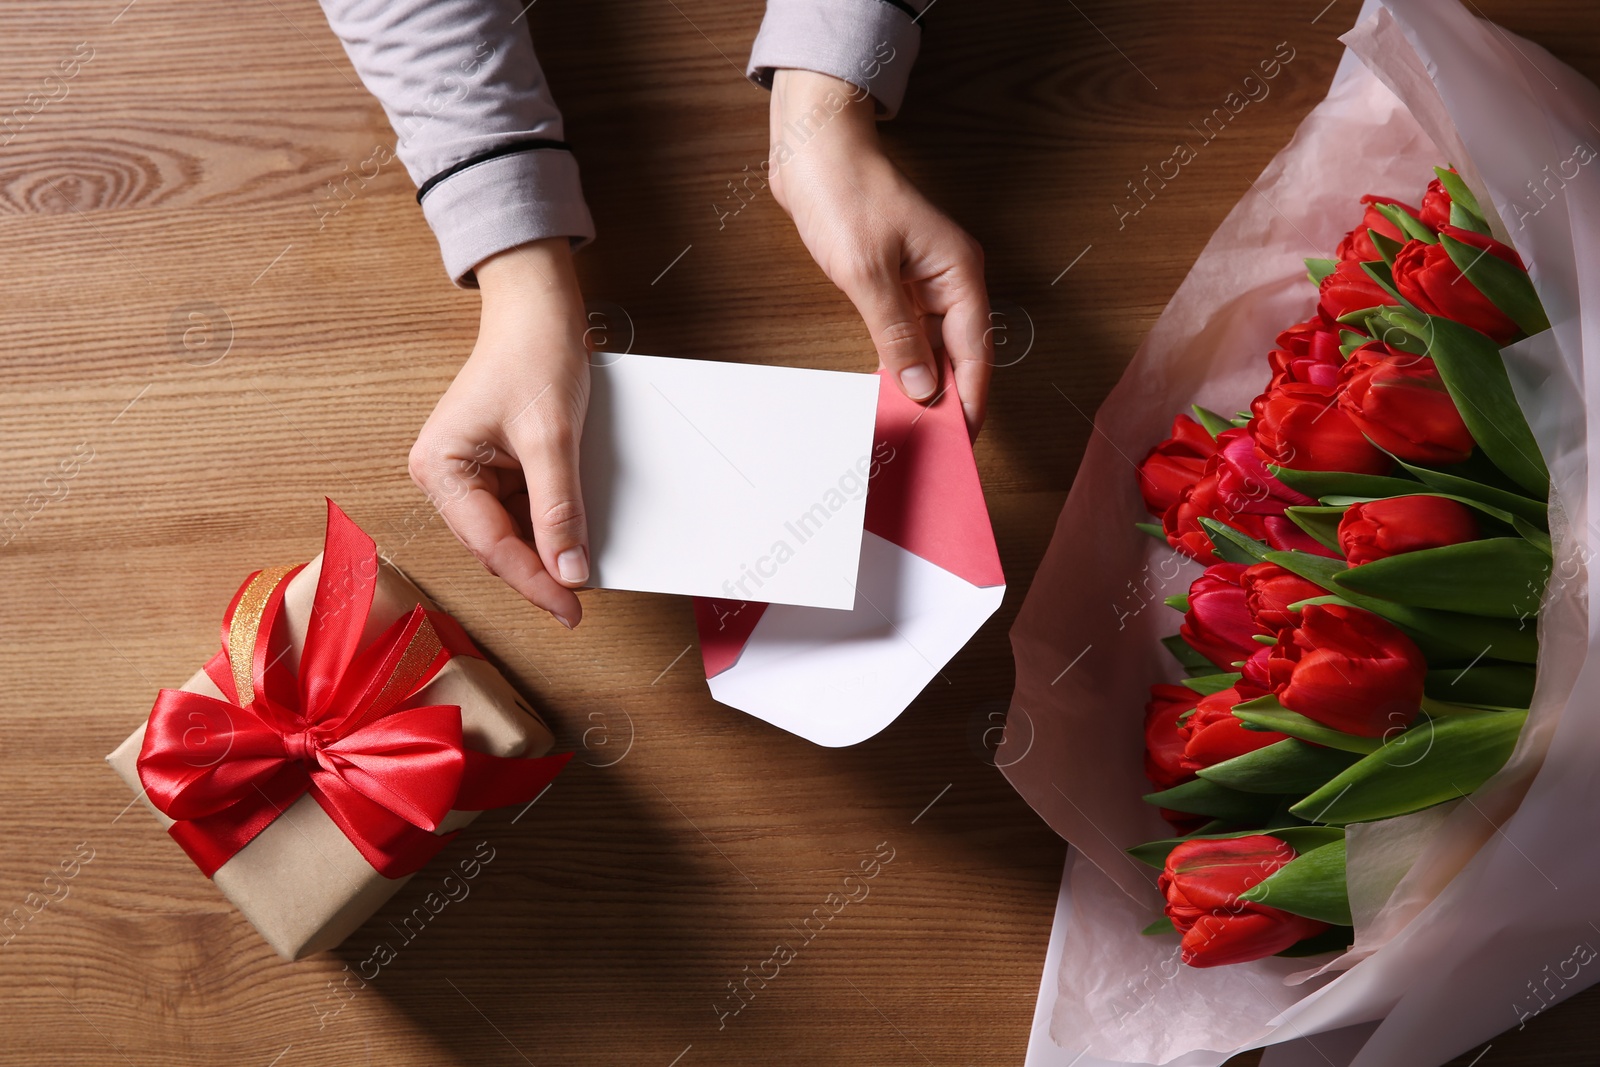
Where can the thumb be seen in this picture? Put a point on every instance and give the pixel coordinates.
(897, 330)
(549, 459)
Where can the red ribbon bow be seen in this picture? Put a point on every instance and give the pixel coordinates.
(338, 729)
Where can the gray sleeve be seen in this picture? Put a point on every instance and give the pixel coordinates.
(868, 43)
(475, 124)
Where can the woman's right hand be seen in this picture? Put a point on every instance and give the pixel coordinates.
(499, 455)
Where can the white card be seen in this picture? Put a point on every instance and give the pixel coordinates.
(727, 480)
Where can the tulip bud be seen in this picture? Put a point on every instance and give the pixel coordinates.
(1202, 881)
(1357, 244)
(1269, 590)
(1214, 734)
(1164, 739)
(1301, 427)
(1218, 623)
(1175, 464)
(1378, 529)
(1435, 205)
(1243, 483)
(1348, 669)
(1400, 402)
(1307, 352)
(1426, 275)
(1203, 500)
(1348, 288)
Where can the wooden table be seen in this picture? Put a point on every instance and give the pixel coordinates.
(213, 320)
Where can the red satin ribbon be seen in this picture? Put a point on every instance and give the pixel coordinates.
(225, 769)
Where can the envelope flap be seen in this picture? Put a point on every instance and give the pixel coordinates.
(925, 494)
(724, 626)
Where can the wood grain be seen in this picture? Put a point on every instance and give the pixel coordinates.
(210, 348)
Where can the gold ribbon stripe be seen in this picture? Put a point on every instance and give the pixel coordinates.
(244, 630)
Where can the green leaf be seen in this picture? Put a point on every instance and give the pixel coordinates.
(1502, 577)
(1536, 511)
(1312, 884)
(1499, 515)
(1185, 655)
(1206, 684)
(1319, 269)
(1380, 273)
(1387, 247)
(1179, 602)
(1322, 523)
(1434, 761)
(1463, 219)
(1214, 424)
(1437, 709)
(1201, 797)
(1333, 939)
(1327, 483)
(1475, 376)
(1533, 535)
(1490, 685)
(1301, 838)
(1162, 925)
(1408, 224)
(1291, 766)
(1460, 195)
(1506, 285)
(1153, 529)
(1231, 545)
(1370, 320)
(1266, 713)
(1441, 634)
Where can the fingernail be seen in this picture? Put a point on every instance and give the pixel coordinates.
(918, 382)
(562, 619)
(574, 566)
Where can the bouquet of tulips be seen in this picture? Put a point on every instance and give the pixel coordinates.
(1362, 643)
(1370, 766)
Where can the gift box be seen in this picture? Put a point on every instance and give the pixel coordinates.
(345, 731)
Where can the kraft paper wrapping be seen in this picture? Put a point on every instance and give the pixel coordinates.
(300, 882)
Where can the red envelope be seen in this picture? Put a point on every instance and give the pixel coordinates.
(929, 577)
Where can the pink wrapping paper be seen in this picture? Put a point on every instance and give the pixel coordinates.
(1473, 882)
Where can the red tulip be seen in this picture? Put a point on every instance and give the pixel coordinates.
(1348, 669)
(1255, 669)
(1202, 881)
(1243, 484)
(1301, 427)
(1218, 623)
(1400, 402)
(1214, 734)
(1307, 352)
(1348, 289)
(1181, 522)
(1436, 205)
(1175, 464)
(1164, 739)
(1269, 590)
(1426, 275)
(1357, 244)
(1382, 528)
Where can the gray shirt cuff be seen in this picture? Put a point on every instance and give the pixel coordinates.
(503, 202)
(868, 43)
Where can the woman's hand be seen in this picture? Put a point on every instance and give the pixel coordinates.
(499, 455)
(911, 272)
